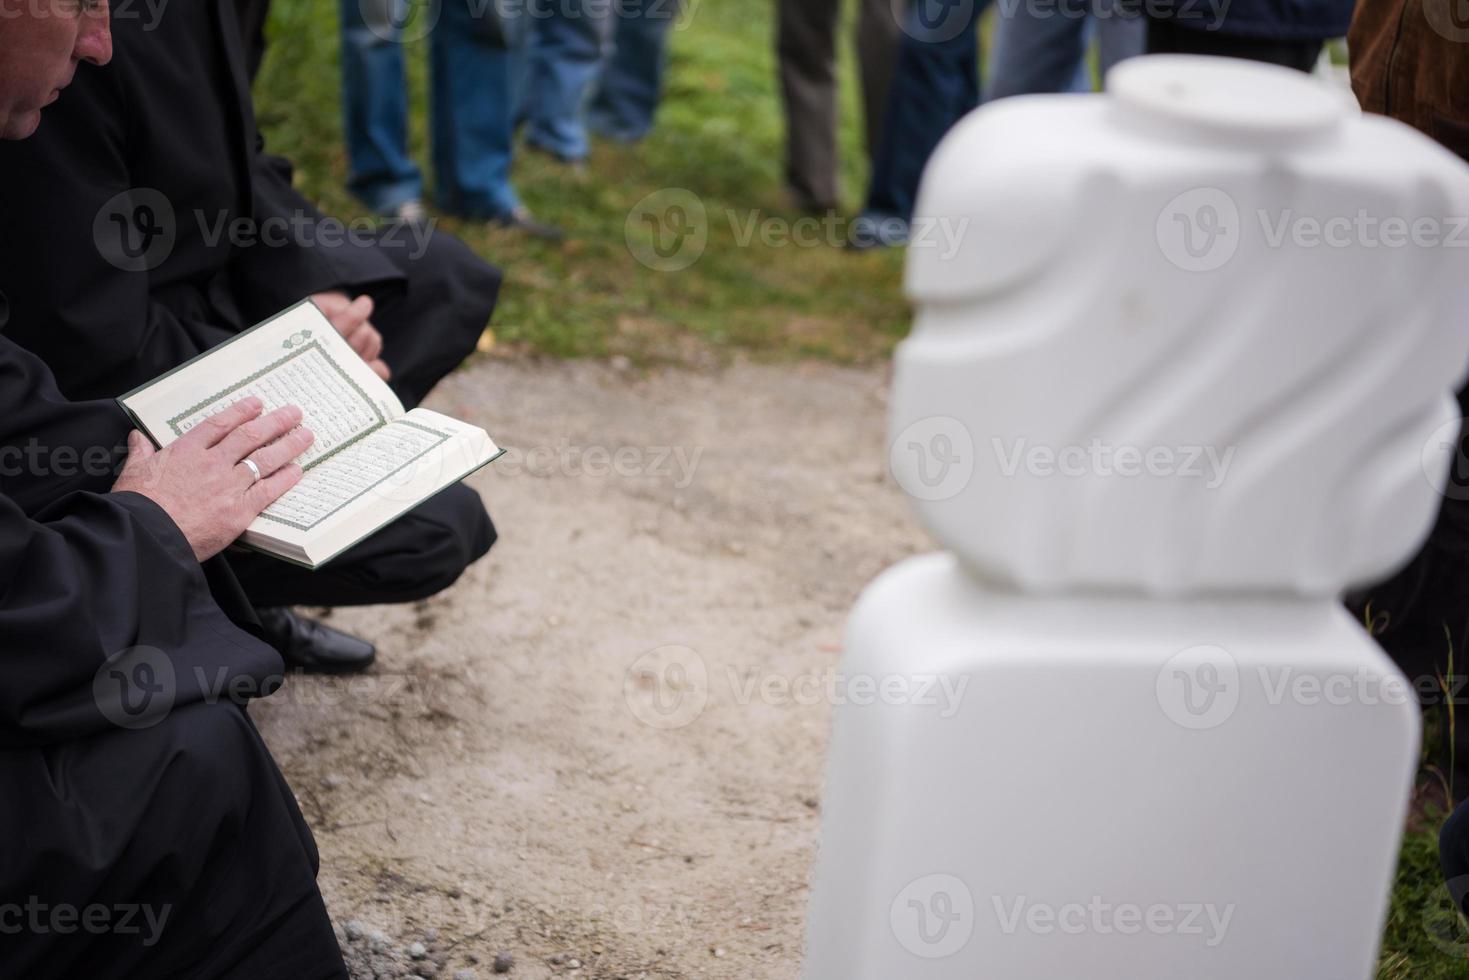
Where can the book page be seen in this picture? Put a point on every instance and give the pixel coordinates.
(379, 463)
(297, 358)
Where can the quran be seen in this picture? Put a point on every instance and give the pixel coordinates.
(372, 460)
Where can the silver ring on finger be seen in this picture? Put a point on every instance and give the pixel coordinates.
(254, 470)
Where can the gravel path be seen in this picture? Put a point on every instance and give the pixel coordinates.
(599, 755)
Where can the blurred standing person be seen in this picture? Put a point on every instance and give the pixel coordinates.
(567, 42)
(1409, 62)
(935, 84)
(1041, 45)
(631, 84)
(1281, 32)
(806, 47)
(472, 117)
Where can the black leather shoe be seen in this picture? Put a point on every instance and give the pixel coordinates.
(313, 647)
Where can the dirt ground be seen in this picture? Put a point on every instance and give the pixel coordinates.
(600, 752)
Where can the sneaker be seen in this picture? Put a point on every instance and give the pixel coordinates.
(410, 212)
(870, 231)
(522, 220)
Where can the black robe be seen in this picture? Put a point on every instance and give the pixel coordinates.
(148, 832)
(161, 144)
(164, 137)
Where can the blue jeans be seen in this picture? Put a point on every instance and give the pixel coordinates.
(1040, 45)
(936, 84)
(470, 120)
(566, 46)
(631, 85)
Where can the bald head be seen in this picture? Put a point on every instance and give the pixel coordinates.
(41, 44)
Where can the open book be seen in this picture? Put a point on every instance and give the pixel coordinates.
(371, 461)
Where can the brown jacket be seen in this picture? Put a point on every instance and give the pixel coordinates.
(1410, 60)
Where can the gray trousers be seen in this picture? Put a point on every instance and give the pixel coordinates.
(806, 44)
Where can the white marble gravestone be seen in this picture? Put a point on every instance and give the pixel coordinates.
(1186, 378)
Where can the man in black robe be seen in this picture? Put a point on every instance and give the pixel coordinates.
(150, 833)
(157, 228)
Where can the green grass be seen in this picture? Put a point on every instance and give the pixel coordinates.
(720, 137)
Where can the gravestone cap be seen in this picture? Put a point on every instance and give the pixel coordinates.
(1198, 335)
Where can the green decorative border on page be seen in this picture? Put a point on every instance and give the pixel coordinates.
(443, 438)
(315, 345)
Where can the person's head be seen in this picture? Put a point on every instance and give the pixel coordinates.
(41, 43)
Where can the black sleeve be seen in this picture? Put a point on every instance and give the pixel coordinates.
(101, 582)
(87, 575)
(97, 325)
(309, 252)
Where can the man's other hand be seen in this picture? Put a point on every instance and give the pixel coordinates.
(202, 481)
(353, 320)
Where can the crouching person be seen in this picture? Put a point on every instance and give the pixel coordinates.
(149, 832)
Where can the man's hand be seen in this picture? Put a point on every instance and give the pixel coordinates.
(201, 480)
(351, 317)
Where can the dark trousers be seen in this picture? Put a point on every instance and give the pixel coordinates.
(187, 819)
(1453, 855)
(1420, 616)
(806, 45)
(1166, 37)
(429, 329)
(417, 556)
(935, 84)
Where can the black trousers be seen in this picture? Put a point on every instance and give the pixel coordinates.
(419, 555)
(1166, 37)
(1453, 854)
(175, 850)
(430, 329)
